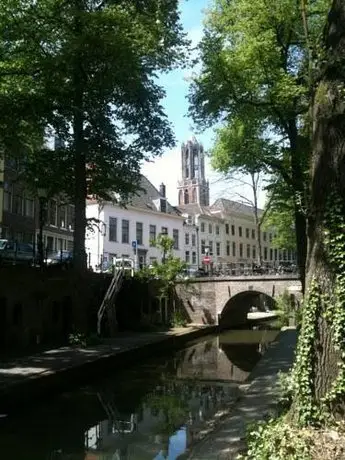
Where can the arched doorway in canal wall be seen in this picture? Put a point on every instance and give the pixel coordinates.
(236, 309)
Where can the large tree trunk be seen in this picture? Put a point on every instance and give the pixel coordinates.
(79, 254)
(298, 184)
(319, 364)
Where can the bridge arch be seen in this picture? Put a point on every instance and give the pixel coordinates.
(236, 309)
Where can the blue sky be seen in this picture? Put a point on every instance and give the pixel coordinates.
(167, 169)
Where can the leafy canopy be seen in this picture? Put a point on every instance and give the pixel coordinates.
(110, 54)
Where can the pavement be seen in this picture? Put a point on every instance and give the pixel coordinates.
(25, 377)
(258, 401)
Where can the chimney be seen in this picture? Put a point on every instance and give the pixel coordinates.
(162, 189)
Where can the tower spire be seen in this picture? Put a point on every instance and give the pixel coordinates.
(193, 188)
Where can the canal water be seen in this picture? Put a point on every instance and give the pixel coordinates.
(153, 411)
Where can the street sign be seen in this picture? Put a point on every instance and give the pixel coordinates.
(134, 244)
(206, 260)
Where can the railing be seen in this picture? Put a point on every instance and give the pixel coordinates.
(110, 296)
(222, 270)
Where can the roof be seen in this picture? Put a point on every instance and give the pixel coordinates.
(145, 198)
(195, 208)
(229, 206)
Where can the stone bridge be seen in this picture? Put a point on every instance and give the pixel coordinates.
(227, 301)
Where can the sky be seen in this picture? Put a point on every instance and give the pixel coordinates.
(167, 169)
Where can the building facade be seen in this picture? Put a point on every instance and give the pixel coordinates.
(224, 232)
(116, 228)
(20, 214)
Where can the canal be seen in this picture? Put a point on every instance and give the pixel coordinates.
(151, 411)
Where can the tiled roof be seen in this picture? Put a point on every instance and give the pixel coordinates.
(229, 206)
(145, 198)
(195, 208)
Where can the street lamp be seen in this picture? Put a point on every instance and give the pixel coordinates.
(42, 196)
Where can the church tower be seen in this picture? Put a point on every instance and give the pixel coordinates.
(193, 188)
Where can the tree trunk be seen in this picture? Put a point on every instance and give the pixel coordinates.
(79, 254)
(298, 180)
(256, 217)
(320, 367)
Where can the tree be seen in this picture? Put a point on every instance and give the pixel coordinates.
(319, 371)
(239, 149)
(280, 214)
(256, 65)
(94, 66)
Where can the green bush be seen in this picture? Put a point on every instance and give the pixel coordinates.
(178, 320)
(276, 440)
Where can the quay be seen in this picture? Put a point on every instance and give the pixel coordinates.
(41, 375)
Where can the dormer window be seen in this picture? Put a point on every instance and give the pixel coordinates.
(163, 205)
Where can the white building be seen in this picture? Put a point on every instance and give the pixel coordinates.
(145, 216)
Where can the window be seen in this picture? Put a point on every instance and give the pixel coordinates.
(228, 248)
(176, 238)
(232, 230)
(193, 257)
(209, 228)
(241, 250)
(264, 236)
(233, 249)
(30, 208)
(186, 238)
(163, 203)
(218, 249)
(217, 229)
(202, 227)
(202, 246)
(18, 204)
(253, 234)
(152, 234)
(248, 251)
(227, 229)
(112, 229)
(210, 245)
(70, 217)
(270, 237)
(247, 233)
(164, 230)
(62, 221)
(271, 254)
(254, 252)
(240, 232)
(125, 231)
(186, 257)
(265, 253)
(8, 200)
(139, 232)
(52, 213)
(276, 254)
(193, 239)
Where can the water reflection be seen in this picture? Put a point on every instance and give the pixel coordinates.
(153, 411)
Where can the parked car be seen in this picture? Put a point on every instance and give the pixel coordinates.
(12, 252)
(60, 258)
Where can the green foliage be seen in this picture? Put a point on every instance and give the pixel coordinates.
(173, 409)
(79, 339)
(255, 80)
(87, 72)
(178, 320)
(284, 308)
(276, 440)
(280, 213)
(169, 270)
